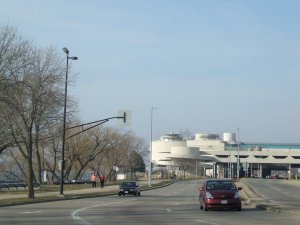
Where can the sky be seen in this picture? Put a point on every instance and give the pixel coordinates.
(207, 66)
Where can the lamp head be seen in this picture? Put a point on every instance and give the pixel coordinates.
(66, 50)
(73, 58)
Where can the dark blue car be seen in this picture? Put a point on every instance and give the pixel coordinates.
(129, 188)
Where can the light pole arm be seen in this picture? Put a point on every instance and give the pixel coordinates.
(97, 123)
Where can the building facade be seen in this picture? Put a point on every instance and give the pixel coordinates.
(219, 157)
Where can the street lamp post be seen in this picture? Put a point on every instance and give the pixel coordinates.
(238, 158)
(64, 122)
(150, 160)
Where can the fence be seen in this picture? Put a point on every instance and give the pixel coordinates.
(8, 185)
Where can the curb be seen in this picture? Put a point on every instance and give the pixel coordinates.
(251, 197)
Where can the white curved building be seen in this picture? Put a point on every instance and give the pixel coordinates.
(223, 155)
(229, 137)
(162, 149)
(184, 153)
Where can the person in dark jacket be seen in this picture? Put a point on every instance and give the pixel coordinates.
(102, 180)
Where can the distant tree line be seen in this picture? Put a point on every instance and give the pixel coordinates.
(31, 113)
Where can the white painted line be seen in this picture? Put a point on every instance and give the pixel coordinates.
(206, 222)
(31, 212)
(79, 220)
(169, 210)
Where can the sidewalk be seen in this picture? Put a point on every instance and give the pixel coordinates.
(15, 194)
(14, 198)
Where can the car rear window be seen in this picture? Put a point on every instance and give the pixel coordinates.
(128, 184)
(220, 185)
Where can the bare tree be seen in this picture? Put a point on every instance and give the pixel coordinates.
(185, 164)
(84, 148)
(50, 142)
(117, 155)
(13, 49)
(124, 154)
(31, 93)
(31, 103)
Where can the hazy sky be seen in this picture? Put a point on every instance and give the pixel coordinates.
(208, 66)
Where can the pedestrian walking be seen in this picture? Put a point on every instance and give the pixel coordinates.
(102, 180)
(93, 180)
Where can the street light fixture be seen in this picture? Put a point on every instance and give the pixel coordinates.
(64, 121)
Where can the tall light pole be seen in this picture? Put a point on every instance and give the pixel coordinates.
(64, 122)
(229, 159)
(238, 158)
(150, 160)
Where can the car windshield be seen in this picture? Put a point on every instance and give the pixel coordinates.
(220, 185)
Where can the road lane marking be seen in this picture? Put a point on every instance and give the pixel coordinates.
(169, 210)
(78, 219)
(32, 212)
(206, 222)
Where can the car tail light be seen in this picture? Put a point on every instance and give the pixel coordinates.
(208, 195)
(237, 195)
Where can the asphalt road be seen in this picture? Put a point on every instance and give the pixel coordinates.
(175, 204)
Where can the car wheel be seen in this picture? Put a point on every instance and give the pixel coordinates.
(239, 209)
(139, 194)
(119, 194)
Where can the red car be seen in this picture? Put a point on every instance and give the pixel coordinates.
(220, 193)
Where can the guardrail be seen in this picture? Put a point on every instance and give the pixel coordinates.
(7, 185)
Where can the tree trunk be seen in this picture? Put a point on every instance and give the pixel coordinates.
(30, 169)
(30, 179)
(38, 156)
